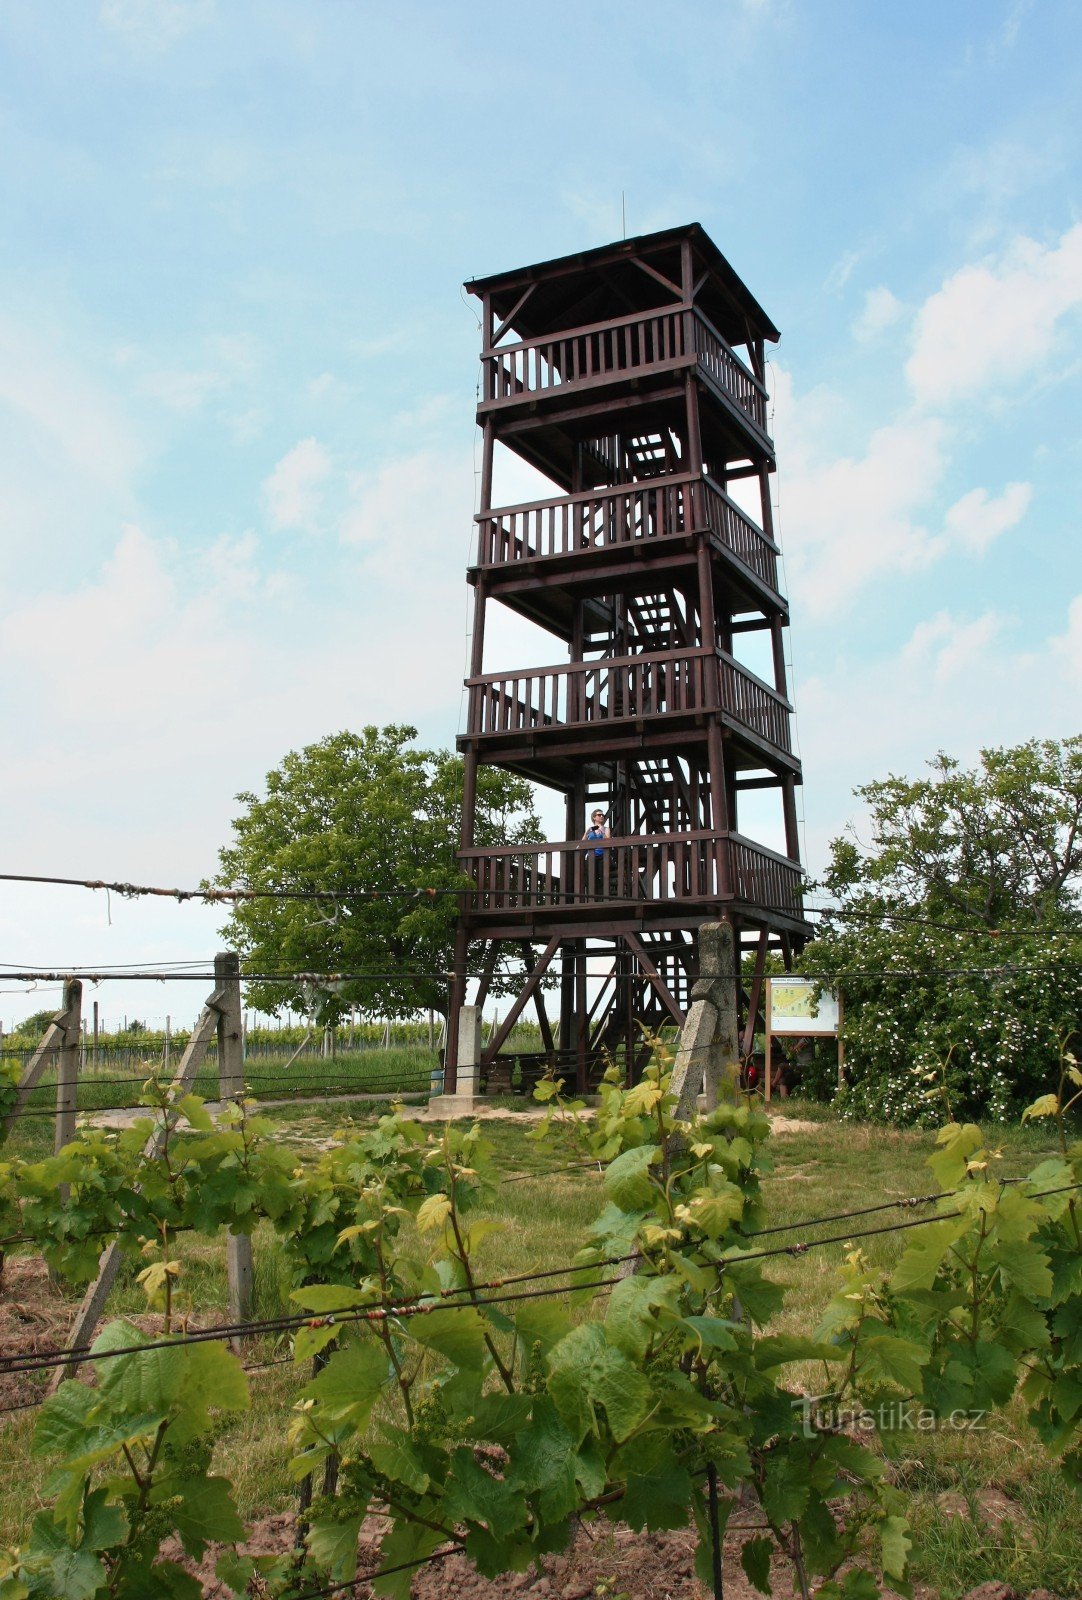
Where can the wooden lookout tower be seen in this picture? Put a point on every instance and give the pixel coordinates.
(633, 378)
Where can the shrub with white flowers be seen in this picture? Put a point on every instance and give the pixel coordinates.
(957, 934)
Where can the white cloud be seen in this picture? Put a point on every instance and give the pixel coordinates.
(154, 24)
(180, 390)
(48, 391)
(880, 311)
(293, 492)
(977, 519)
(994, 322)
(850, 520)
(957, 684)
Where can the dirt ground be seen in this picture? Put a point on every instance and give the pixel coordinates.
(606, 1560)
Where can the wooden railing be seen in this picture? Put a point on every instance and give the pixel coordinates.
(589, 692)
(659, 869)
(754, 703)
(603, 519)
(760, 877)
(603, 351)
(729, 525)
(618, 687)
(729, 372)
(586, 355)
(593, 520)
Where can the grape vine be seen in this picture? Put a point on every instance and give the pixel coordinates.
(640, 1382)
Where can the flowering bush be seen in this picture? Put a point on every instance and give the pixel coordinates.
(957, 934)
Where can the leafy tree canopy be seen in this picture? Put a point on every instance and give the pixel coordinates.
(958, 932)
(999, 846)
(363, 814)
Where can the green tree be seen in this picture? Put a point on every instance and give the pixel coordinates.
(958, 931)
(366, 815)
(35, 1025)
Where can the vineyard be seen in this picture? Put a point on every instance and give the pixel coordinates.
(751, 1359)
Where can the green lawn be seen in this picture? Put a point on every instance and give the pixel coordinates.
(831, 1167)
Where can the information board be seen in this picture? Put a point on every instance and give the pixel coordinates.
(792, 1008)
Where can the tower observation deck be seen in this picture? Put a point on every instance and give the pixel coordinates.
(632, 377)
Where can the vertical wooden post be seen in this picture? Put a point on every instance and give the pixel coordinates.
(94, 1058)
(168, 1042)
(582, 1020)
(67, 1065)
(231, 1087)
(768, 1044)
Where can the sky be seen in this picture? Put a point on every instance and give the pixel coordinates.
(238, 372)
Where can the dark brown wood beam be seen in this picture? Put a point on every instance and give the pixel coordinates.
(675, 289)
(755, 997)
(497, 1040)
(638, 950)
(498, 332)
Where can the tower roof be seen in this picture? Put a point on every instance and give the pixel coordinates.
(576, 290)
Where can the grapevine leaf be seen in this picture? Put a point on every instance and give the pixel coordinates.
(779, 1349)
(785, 1488)
(760, 1298)
(859, 1584)
(541, 1322)
(629, 1322)
(308, 1342)
(392, 1454)
(958, 1142)
(474, 1495)
(68, 1574)
(333, 1544)
(896, 1544)
(543, 1461)
(924, 1255)
(73, 1424)
(324, 1297)
(627, 1179)
(457, 1332)
(715, 1211)
(165, 1580)
(584, 1370)
(499, 1417)
(755, 1560)
(235, 1571)
(433, 1212)
(590, 1472)
(713, 1333)
(658, 1495)
(897, 1360)
(349, 1384)
(104, 1525)
(1022, 1326)
(1046, 1106)
(203, 1511)
(1028, 1271)
(194, 1111)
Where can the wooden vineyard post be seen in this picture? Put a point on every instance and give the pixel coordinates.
(231, 1087)
(67, 1065)
(52, 1042)
(93, 1302)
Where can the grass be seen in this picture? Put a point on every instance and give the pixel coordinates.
(543, 1217)
(403, 1070)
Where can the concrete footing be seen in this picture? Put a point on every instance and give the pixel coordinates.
(450, 1106)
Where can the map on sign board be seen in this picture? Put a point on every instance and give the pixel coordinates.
(792, 1007)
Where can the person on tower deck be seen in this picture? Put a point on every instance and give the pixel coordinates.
(595, 857)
